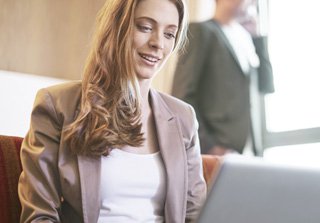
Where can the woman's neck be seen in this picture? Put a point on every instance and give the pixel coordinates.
(144, 92)
(145, 104)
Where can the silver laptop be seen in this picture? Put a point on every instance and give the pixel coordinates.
(250, 190)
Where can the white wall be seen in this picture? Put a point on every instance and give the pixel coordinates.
(17, 93)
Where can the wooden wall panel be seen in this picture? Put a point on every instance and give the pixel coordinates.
(46, 37)
(51, 37)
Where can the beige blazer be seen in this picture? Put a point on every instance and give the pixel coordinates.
(57, 186)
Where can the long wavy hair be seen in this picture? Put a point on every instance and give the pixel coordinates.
(110, 112)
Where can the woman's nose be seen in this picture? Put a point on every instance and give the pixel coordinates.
(157, 40)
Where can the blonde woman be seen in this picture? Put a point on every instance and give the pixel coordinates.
(110, 148)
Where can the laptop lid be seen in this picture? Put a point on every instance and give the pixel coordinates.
(250, 190)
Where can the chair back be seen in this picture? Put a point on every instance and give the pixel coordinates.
(10, 169)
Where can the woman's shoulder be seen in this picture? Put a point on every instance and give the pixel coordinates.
(65, 89)
(63, 99)
(182, 111)
(176, 106)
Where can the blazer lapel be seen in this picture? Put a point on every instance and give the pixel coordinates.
(174, 157)
(89, 170)
(227, 42)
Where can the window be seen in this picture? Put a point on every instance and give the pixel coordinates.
(292, 113)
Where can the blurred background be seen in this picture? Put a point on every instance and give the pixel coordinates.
(44, 42)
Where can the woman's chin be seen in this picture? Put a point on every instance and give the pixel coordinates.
(146, 75)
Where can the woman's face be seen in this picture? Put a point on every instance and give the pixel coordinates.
(154, 35)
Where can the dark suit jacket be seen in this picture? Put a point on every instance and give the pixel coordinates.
(58, 186)
(209, 77)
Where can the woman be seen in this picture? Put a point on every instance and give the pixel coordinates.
(110, 148)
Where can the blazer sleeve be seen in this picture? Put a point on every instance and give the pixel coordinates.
(265, 72)
(39, 190)
(197, 188)
(187, 78)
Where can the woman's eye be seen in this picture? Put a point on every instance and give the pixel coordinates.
(170, 36)
(144, 28)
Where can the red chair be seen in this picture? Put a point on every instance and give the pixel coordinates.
(10, 169)
(211, 166)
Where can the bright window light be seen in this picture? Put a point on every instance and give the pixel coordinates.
(306, 155)
(294, 49)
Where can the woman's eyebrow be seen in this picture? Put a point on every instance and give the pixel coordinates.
(154, 21)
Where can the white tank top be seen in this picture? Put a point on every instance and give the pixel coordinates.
(133, 188)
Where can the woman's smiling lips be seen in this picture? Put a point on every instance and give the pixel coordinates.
(149, 59)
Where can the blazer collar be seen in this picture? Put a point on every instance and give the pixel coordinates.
(226, 41)
(159, 107)
(173, 155)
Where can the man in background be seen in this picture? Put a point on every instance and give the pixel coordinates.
(214, 75)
